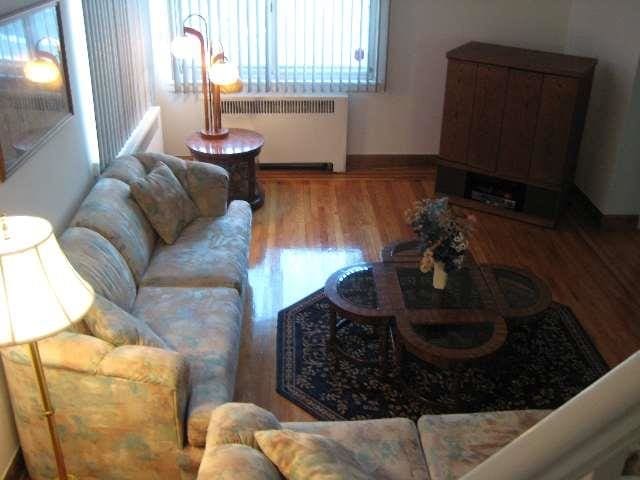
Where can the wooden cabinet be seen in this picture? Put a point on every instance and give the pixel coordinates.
(458, 101)
(488, 106)
(553, 133)
(519, 123)
(515, 115)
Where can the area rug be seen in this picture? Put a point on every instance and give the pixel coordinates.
(547, 359)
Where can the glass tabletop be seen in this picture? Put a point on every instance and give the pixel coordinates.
(418, 292)
(358, 287)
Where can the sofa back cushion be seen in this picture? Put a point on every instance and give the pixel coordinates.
(110, 211)
(205, 183)
(164, 202)
(100, 264)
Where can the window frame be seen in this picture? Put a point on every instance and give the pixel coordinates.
(269, 79)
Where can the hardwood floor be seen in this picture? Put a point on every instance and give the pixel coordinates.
(315, 222)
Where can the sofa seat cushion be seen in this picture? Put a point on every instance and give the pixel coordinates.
(210, 252)
(204, 325)
(455, 444)
(112, 324)
(387, 448)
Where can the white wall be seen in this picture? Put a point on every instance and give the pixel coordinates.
(624, 195)
(406, 119)
(55, 179)
(608, 169)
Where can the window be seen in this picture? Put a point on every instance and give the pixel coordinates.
(292, 45)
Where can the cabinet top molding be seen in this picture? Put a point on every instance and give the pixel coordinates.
(523, 59)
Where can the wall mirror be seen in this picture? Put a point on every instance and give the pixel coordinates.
(34, 84)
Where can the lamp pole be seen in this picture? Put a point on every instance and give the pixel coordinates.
(205, 80)
(48, 412)
(210, 91)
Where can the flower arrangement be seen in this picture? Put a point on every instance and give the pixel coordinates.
(443, 236)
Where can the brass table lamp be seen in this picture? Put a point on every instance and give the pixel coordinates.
(217, 73)
(40, 294)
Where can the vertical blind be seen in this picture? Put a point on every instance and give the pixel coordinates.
(120, 59)
(291, 45)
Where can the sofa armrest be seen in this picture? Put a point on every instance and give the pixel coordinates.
(137, 389)
(67, 350)
(147, 365)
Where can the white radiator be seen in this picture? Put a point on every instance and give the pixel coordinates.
(298, 129)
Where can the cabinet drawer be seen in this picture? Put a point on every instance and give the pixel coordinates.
(519, 123)
(458, 108)
(554, 129)
(488, 107)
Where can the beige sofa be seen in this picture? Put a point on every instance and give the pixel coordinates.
(439, 447)
(136, 411)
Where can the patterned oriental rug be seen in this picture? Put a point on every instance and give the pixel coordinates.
(547, 359)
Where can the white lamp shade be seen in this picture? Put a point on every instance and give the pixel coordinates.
(186, 47)
(223, 73)
(40, 291)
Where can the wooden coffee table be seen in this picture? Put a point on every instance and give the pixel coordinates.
(466, 321)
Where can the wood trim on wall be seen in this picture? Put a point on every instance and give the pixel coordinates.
(610, 223)
(355, 162)
(17, 469)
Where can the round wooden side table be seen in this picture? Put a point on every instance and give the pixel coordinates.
(236, 153)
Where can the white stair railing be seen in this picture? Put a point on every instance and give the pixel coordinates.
(589, 437)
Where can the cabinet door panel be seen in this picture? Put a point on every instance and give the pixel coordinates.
(458, 107)
(486, 123)
(554, 129)
(519, 123)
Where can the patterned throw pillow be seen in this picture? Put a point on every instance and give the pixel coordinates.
(306, 456)
(164, 202)
(236, 423)
(112, 324)
(237, 462)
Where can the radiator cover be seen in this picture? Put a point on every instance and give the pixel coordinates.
(298, 129)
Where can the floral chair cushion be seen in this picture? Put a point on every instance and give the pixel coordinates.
(110, 323)
(387, 447)
(237, 422)
(306, 456)
(164, 202)
(455, 444)
(237, 462)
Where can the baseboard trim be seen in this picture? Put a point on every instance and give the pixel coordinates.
(609, 223)
(355, 162)
(17, 469)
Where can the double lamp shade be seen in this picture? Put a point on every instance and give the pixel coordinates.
(40, 291)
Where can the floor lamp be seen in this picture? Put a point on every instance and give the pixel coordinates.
(217, 73)
(40, 294)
